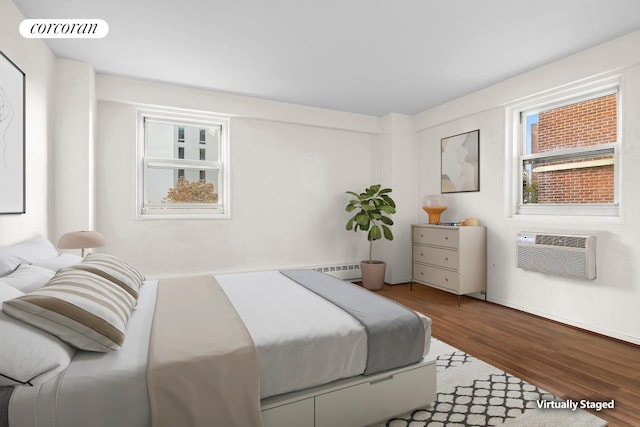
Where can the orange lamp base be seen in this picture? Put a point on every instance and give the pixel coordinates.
(434, 213)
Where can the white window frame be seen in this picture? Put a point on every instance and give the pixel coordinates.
(516, 146)
(220, 210)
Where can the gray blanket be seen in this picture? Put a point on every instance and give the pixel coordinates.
(5, 395)
(395, 334)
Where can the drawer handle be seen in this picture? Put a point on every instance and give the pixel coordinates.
(446, 237)
(446, 258)
(421, 273)
(421, 235)
(421, 254)
(390, 377)
(446, 279)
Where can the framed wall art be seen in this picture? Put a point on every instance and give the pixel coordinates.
(12, 137)
(460, 162)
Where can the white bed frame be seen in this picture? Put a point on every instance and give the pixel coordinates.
(358, 401)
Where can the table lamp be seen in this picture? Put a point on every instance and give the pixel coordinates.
(434, 205)
(81, 240)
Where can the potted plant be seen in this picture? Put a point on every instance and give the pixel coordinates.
(372, 208)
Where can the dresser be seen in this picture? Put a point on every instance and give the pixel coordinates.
(450, 258)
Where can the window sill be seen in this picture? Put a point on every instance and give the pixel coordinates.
(570, 210)
(182, 215)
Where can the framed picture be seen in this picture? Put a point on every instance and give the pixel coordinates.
(12, 138)
(460, 162)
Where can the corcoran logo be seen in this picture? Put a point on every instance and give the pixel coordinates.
(64, 28)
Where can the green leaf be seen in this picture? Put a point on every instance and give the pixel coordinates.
(374, 188)
(350, 224)
(387, 232)
(352, 193)
(363, 221)
(384, 191)
(386, 220)
(388, 209)
(374, 233)
(350, 207)
(388, 200)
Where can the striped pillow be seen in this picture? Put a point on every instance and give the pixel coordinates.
(82, 309)
(115, 270)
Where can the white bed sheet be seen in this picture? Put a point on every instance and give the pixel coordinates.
(283, 318)
(96, 389)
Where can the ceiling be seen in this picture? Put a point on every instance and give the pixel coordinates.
(363, 56)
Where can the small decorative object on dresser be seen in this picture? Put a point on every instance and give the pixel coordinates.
(450, 258)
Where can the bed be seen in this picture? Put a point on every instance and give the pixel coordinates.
(312, 356)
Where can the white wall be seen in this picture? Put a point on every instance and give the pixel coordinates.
(37, 62)
(71, 157)
(607, 305)
(397, 168)
(290, 168)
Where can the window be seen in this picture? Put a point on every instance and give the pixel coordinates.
(566, 150)
(179, 181)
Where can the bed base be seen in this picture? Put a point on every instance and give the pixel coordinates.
(357, 401)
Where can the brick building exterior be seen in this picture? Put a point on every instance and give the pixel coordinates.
(588, 180)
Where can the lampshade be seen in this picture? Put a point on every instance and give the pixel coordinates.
(81, 240)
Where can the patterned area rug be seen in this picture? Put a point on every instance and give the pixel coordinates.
(474, 393)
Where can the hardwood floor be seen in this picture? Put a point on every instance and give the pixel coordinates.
(568, 362)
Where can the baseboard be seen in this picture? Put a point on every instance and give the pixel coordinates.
(579, 325)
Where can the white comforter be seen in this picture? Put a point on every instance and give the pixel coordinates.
(302, 341)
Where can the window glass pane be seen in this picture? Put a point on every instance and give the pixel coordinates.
(166, 186)
(582, 124)
(588, 179)
(162, 141)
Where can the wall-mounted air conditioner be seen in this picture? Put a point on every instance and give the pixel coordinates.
(559, 254)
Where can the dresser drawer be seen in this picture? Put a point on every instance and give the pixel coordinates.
(446, 237)
(436, 256)
(436, 276)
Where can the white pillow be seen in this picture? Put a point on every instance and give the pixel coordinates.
(28, 278)
(29, 356)
(115, 270)
(26, 252)
(61, 261)
(82, 309)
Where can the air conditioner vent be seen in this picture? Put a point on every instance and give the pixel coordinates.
(561, 240)
(558, 254)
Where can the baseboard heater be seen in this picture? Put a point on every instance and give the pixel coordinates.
(558, 254)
